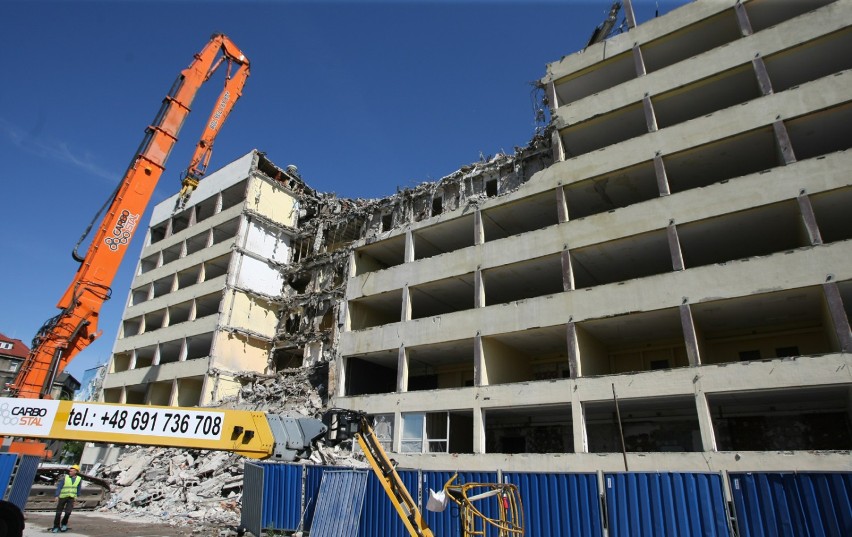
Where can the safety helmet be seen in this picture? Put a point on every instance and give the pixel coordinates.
(75, 467)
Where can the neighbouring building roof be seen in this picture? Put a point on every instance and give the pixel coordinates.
(14, 348)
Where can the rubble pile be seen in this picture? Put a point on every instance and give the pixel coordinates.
(193, 487)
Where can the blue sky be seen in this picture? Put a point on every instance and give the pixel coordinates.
(362, 97)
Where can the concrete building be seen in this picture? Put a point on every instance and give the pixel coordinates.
(202, 305)
(681, 273)
(665, 269)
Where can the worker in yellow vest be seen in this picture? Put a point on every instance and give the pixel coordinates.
(67, 490)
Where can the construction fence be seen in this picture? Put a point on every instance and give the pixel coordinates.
(285, 497)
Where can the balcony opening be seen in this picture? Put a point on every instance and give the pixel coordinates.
(832, 214)
(613, 190)
(822, 132)
(520, 216)
(529, 429)
(380, 255)
(652, 425)
(809, 61)
(375, 310)
(371, 373)
(441, 365)
(756, 232)
(527, 355)
(744, 154)
(443, 296)
(444, 237)
(764, 322)
(632, 343)
(806, 419)
(624, 259)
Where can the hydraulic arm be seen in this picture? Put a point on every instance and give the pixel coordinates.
(76, 326)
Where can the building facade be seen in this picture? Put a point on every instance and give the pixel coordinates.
(673, 292)
(202, 306)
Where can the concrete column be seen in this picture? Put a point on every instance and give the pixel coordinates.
(478, 289)
(132, 362)
(567, 270)
(122, 395)
(402, 370)
(552, 96)
(480, 377)
(705, 419)
(762, 75)
(478, 430)
(689, 334)
(578, 423)
(409, 246)
(628, 14)
(173, 396)
(782, 138)
(561, 204)
(573, 351)
(809, 218)
(478, 228)
(406, 304)
(742, 19)
(838, 315)
(674, 246)
(340, 367)
(662, 179)
(558, 148)
(638, 60)
(396, 444)
(650, 117)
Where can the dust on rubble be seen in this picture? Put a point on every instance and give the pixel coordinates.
(182, 487)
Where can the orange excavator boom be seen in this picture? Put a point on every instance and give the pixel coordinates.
(76, 326)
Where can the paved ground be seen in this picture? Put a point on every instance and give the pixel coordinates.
(85, 524)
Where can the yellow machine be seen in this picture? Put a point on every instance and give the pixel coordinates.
(256, 435)
(469, 497)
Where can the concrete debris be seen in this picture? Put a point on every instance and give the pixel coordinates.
(191, 488)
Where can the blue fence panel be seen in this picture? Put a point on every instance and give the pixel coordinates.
(379, 517)
(253, 498)
(339, 503)
(313, 479)
(665, 504)
(7, 466)
(446, 524)
(272, 496)
(564, 505)
(782, 504)
(23, 481)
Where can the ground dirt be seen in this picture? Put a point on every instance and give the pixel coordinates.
(87, 524)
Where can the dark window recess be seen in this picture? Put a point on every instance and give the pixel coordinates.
(437, 206)
(423, 382)
(747, 356)
(659, 364)
(783, 352)
(513, 444)
(387, 222)
(365, 377)
(491, 188)
(468, 382)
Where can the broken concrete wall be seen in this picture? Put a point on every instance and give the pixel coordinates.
(330, 226)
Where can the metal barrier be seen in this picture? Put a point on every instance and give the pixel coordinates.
(666, 504)
(792, 504)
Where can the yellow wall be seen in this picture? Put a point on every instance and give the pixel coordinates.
(271, 201)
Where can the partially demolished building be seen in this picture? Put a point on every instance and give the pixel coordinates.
(659, 280)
